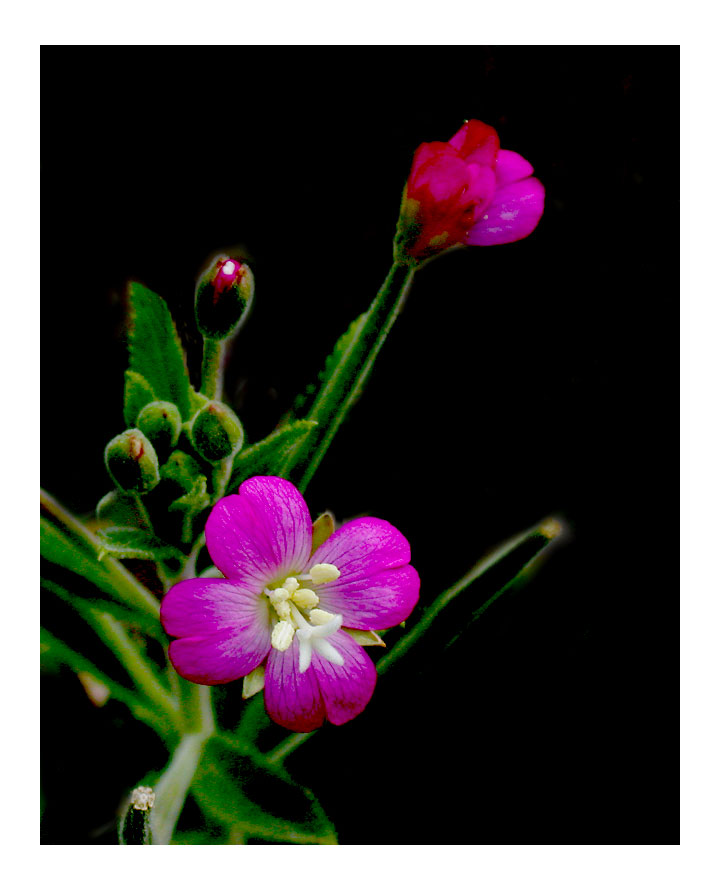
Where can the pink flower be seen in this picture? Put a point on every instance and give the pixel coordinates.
(288, 610)
(468, 191)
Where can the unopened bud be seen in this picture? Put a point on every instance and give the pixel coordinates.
(223, 296)
(182, 469)
(132, 462)
(216, 432)
(161, 423)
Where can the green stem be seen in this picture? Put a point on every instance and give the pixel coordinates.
(211, 368)
(172, 788)
(124, 581)
(145, 517)
(126, 651)
(345, 383)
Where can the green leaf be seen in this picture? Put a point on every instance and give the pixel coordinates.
(126, 542)
(155, 349)
(237, 787)
(84, 599)
(138, 393)
(66, 542)
(266, 456)
(192, 503)
(55, 653)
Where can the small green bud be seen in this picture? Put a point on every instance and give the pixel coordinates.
(132, 462)
(223, 295)
(216, 432)
(135, 823)
(182, 469)
(161, 423)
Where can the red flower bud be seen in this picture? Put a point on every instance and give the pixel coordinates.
(467, 191)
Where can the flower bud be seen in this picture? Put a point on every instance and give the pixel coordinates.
(182, 469)
(223, 296)
(161, 423)
(216, 432)
(132, 462)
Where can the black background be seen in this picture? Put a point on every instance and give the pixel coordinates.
(520, 381)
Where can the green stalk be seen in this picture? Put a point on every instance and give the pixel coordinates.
(346, 381)
(211, 368)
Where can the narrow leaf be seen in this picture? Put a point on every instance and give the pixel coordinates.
(155, 349)
(126, 542)
(138, 393)
(265, 457)
(236, 786)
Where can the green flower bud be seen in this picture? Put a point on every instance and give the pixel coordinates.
(161, 423)
(223, 296)
(182, 469)
(132, 462)
(216, 432)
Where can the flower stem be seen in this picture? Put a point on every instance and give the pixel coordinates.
(344, 384)
(171, 789)
(211, 368)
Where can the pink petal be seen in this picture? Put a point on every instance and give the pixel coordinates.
(513, 214)
(346, 689)
(202, 606)
(511, 167)
(220, 657)
(377, 588)
(292, 699)
(261, 534)
(440, 177)
(476, 142)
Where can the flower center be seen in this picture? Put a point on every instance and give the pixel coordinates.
(297, 615)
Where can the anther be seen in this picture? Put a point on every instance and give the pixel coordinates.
(323, 572)
(319, 616)
(282, 635)
(305, 598)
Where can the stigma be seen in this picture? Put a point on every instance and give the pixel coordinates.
(295, 613)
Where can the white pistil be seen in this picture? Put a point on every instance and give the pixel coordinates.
(313, 638)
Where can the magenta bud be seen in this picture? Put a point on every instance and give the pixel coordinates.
(223, 296)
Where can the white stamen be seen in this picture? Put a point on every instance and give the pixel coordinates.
(291, 584)
(305, 598)
(282, 635)
(323, 572)
(229, 267)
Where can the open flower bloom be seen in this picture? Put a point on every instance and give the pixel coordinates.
(284, 609)
(468, 191)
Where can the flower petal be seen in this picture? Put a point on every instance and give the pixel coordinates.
(438, 174)
(511, 167)
(346, 689)
(261, 534)
(377, 588)
(220, 657)
(292, 699)
(476, 142)
(513, 214)
(224, 630)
